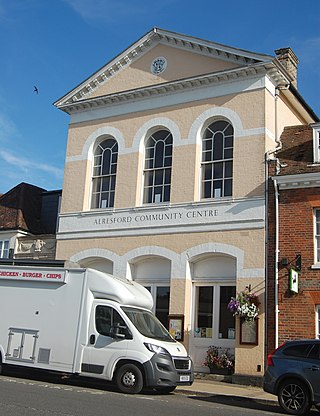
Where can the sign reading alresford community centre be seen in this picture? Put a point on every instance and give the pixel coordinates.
(157, 217)
(165, 219)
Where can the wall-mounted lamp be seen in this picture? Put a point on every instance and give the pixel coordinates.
(297, 262)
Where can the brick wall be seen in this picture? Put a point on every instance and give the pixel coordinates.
(296, 222)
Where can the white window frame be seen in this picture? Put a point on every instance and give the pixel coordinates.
(316, 238)
(318, 321)
(213, 162)
(316, 142)
(111, 175)
(150, 168)
(4, 249)
(215, 339)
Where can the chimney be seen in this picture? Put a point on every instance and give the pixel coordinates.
(288, 59)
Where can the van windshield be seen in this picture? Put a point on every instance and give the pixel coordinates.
(147, 324)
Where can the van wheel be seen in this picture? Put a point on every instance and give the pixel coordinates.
(129, 379)
(294, 397)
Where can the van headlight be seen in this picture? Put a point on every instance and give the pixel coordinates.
(156, 349)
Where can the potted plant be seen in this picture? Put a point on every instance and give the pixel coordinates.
(245, 305)
(219, 360)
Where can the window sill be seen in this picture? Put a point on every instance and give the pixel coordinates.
(315, 266)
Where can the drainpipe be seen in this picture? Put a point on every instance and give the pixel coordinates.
(276, 263)
(268, 154)
(266, 256)
(276, 195)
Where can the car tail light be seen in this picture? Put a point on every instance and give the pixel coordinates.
(270, 356)
(270, 360)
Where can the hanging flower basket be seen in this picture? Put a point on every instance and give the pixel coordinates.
(245, 305)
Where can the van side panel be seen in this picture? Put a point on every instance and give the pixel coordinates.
(39, 325)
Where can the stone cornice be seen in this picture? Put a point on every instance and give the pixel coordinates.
(260, 69)
(298, 181)
(209, 48)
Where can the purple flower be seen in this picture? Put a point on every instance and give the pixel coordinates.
(233, 305)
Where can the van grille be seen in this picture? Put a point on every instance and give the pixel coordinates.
(181, 364)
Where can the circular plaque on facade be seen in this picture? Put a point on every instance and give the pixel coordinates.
(158, 65)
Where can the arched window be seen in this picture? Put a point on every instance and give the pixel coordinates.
(157, 168)
(217, 160)
(104, 174)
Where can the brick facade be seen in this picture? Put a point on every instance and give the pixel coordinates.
(296, 204)
(28, 222)
(20, 208)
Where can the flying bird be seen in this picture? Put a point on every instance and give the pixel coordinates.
(36, 90)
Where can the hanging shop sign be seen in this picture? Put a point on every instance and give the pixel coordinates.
(294, 281)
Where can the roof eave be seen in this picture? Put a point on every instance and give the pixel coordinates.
(209, 44)
(260, 69)
(298, 180)
(307, 108)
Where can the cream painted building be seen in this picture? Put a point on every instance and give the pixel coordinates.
(165, 178)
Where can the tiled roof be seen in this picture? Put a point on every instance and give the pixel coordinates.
(296, 155)
(20, 208)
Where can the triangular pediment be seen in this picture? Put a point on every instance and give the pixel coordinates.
(160, 57)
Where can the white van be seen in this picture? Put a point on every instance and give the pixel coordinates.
(89, 323)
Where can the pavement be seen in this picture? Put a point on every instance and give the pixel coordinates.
(228, 391)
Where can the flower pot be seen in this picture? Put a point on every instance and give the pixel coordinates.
(221, 371)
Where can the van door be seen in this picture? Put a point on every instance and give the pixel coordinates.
(107, 342)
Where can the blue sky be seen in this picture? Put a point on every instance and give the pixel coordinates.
(56, 44)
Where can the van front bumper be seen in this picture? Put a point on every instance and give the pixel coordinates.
(164, 371)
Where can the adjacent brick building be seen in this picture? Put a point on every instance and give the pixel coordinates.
(28, 222)
(293, 230)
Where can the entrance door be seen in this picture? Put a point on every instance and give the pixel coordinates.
(213, 324)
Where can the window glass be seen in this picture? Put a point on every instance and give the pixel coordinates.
(205, 307)
(226, 319)
(108, 318)
(147, 324)
(218, 170)
(314, 352)
(104, 174)
(217, 160)
(297, 350)
(157, 167)
(4, 249)
(228, 187)
(161, 299)
(162, 304)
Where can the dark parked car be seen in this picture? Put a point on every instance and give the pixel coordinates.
(293, 374)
